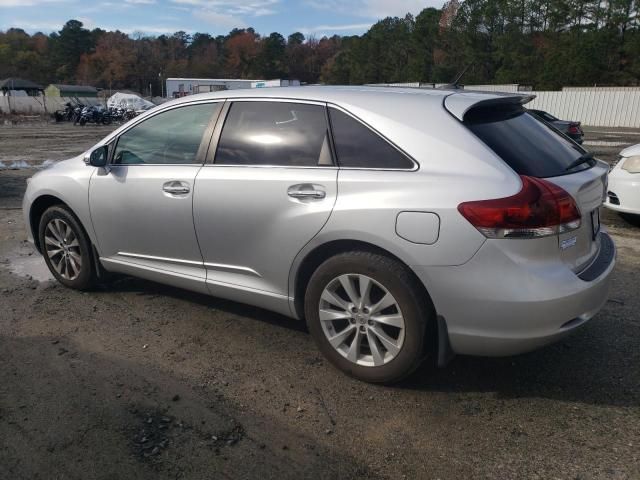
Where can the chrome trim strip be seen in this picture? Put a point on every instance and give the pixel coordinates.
(244, 288)
(232, 268)
(160, 259)
(214, 266)
(316, 167)
(148, 268)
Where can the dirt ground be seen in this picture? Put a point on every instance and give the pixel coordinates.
(138, 380)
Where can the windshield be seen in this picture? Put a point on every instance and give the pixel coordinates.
(528, 145)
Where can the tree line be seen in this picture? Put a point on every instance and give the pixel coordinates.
(544, 43)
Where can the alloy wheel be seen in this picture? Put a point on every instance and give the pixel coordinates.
(361, 320)
(63, 249)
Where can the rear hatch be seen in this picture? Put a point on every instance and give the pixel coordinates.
(533, 148)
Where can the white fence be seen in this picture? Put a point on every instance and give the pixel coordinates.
(40, 105)
(593, 106)
(601, 108)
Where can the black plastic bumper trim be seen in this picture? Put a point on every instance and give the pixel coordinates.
(601, 263)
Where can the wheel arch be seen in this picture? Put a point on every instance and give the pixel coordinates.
(320, 253)
(39, 206)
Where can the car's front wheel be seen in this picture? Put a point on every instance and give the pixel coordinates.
(368, 316)
(66, 248)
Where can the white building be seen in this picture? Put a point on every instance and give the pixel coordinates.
(180, 87)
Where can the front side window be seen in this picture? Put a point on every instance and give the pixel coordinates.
(274, 133)
(359, 147)
(169, 138)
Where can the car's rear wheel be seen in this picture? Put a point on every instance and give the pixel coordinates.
(66, 248)
(368, 316)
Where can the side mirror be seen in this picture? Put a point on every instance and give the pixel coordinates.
(98, 157)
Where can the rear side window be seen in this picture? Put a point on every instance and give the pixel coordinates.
(358, 146)
(274, 133)
(527, 145)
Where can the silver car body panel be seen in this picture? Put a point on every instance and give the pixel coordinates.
(138, 224)
(67, 180)
(588, 188)
(238, 235)
(255, 225)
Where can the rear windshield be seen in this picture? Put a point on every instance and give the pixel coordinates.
(528, 145)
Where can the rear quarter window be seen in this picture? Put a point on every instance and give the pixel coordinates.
(526, 144)
(359, 147)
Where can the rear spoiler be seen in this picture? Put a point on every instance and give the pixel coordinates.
(458, 104)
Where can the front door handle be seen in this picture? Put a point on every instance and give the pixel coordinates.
(176, 187)
(306, 191)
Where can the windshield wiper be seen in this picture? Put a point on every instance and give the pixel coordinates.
(584, 158)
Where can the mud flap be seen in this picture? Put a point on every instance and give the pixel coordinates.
(445, 353)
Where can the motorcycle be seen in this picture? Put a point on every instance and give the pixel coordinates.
(66, 114)
(97, 115)
(77, 113)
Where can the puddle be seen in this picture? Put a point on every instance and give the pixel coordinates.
(28, 266)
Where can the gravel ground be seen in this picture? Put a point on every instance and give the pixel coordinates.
(139, 380)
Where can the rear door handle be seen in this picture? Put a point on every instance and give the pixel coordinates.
(176, 187)
(306, 191)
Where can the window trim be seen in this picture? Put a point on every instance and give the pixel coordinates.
(205, 141)
(222, 120)
(416, 165)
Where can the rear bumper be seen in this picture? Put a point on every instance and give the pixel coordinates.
(501, 304)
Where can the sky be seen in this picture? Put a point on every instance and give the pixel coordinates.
(216, 17)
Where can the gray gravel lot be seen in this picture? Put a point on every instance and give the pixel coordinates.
(139, 380)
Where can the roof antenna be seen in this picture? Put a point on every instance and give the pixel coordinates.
(455, 85)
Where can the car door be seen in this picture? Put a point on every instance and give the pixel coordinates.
(141, 204)
(268, 187)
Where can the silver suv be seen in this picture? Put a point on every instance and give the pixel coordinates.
(399, 223)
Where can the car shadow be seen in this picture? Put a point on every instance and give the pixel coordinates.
(633, 220)
(146, 287)
(598, 364)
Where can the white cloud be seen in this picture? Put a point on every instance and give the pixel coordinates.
(375, 9)
(228, 14)
(31, 26)
(149, 29)
(221, 20)
(28, 3)
(325, 29)
(398, 8)
(254, 8)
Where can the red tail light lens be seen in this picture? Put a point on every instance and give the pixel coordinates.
(574, 128)
(540, 209)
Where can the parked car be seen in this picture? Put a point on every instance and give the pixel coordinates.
(572, 129)
(624, 182)
(399, 223)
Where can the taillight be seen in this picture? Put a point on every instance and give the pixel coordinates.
(574, 128)
(540, 209)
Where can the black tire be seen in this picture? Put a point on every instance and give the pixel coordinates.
(83, 122)
(106, 120)
(416, 307)
(86, 278)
